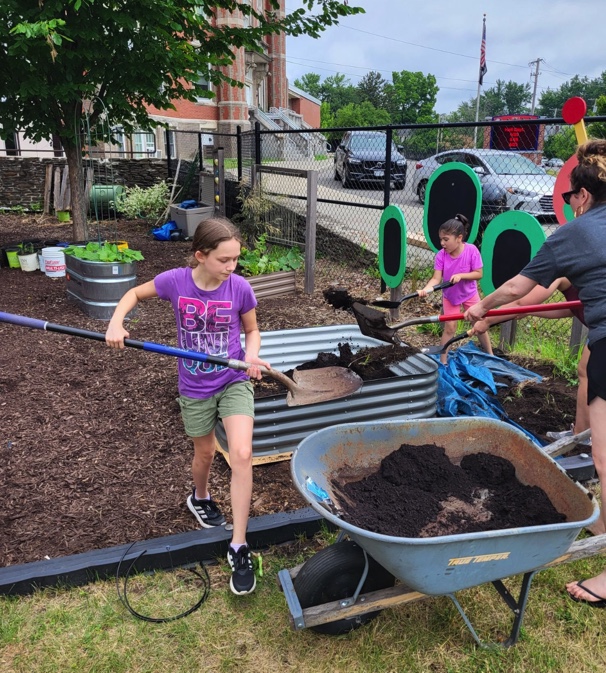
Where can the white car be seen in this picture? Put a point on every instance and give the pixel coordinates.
(509, 181)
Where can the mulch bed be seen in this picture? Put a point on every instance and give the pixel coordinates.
(93, 451)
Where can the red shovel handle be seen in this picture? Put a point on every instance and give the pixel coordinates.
(517, 310)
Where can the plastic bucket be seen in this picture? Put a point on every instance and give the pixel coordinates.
(28, 262)
(41, 264)
(54, 262)
(13, 257)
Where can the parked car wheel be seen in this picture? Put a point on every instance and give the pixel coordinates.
(421, 189)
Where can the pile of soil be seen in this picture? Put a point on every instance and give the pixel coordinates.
(369, 363)
(418, 492)
(92, 449)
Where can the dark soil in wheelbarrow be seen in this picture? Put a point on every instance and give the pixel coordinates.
(418, 492)
(92, 448)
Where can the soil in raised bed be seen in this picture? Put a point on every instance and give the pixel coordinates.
(369, 363)
(418, 492)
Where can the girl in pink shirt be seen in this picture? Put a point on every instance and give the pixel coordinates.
(460, 263)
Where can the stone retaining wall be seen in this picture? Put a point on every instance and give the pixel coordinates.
(22, 178)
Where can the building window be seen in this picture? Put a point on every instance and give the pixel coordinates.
(170, 140)
(12, 145)
(144, 145)
(202, 84)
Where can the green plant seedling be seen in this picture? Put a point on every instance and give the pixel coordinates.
(103, 252)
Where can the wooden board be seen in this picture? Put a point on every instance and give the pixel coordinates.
(257, 460)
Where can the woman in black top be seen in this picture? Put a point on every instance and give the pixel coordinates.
(578, 252)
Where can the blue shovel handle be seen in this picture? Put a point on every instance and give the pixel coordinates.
(33, 323)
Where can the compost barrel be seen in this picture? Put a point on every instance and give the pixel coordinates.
(97, 287)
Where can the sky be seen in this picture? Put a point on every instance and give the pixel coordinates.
(442, 37)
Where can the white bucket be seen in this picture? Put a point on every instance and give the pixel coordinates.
(41, 261)
(54, 262)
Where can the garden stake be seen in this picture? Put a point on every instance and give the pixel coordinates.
(308, 387)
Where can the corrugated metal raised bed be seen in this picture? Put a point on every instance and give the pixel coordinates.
(273, 284)
(412, 393)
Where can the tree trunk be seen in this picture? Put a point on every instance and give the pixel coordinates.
(76, 183)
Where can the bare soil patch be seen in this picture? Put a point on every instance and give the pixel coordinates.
(92, 449)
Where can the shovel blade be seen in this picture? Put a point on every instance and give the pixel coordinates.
(321, 385)
(372, 323)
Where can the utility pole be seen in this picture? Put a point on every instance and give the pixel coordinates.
(536, 81)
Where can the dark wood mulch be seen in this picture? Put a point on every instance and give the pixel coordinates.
(93, 452)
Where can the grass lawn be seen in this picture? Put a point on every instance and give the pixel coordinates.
(87, 629)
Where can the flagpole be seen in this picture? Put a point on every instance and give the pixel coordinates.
(480, 78)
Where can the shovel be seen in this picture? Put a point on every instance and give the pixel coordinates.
(431, 350)
(385, 303)
(308, 387)
(372, 323)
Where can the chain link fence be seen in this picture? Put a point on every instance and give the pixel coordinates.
(360, 171)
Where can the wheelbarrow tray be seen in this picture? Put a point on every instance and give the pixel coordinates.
(445, 564)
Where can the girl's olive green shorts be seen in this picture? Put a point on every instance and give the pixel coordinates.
(201, 416)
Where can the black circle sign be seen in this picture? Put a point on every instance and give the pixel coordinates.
(453, 188)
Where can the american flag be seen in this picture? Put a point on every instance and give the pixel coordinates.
(483, 68)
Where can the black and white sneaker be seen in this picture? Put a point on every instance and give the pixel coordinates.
(243, 579)
(206, 511)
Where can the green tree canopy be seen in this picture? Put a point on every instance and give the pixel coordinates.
(310, 82)
(506, 98)
(371, 88)
(58, 57)
(552, 100)
(411, 97)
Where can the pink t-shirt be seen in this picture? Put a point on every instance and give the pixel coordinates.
(207, 322)
(469, 260)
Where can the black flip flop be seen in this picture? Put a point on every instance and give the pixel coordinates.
(601, 603)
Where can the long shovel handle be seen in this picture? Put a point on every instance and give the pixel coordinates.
(150, 346)
(514, 310)
(385, 303)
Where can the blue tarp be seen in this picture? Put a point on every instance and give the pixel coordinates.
(466, 385)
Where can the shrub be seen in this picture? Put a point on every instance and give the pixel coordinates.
(264, 259)
(137, 202)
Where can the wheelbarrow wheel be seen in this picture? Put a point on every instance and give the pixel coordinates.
(332, 574)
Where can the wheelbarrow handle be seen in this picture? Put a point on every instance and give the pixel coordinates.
(149, 346)
(514, 310)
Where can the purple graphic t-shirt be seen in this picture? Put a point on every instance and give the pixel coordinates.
(469, 260)
(207, 322)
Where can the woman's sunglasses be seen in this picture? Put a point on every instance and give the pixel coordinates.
(566, 195)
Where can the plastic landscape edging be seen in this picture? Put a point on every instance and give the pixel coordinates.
(161, 553)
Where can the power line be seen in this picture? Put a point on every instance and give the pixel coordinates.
(423, 46)
(354, 74)
(363, 67)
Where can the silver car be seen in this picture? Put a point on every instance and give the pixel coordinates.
(509, 181)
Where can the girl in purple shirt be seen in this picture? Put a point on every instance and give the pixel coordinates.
(212, 306)
(460, 263)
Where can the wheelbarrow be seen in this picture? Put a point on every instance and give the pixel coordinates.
(348, 583)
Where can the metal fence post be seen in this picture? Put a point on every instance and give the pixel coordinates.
(168, 152)
(257, 143)
(239, 151)
(200, 153)
(578, 334)
(387, 173)
(310, 231)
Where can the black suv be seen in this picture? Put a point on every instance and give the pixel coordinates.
(360, 157)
